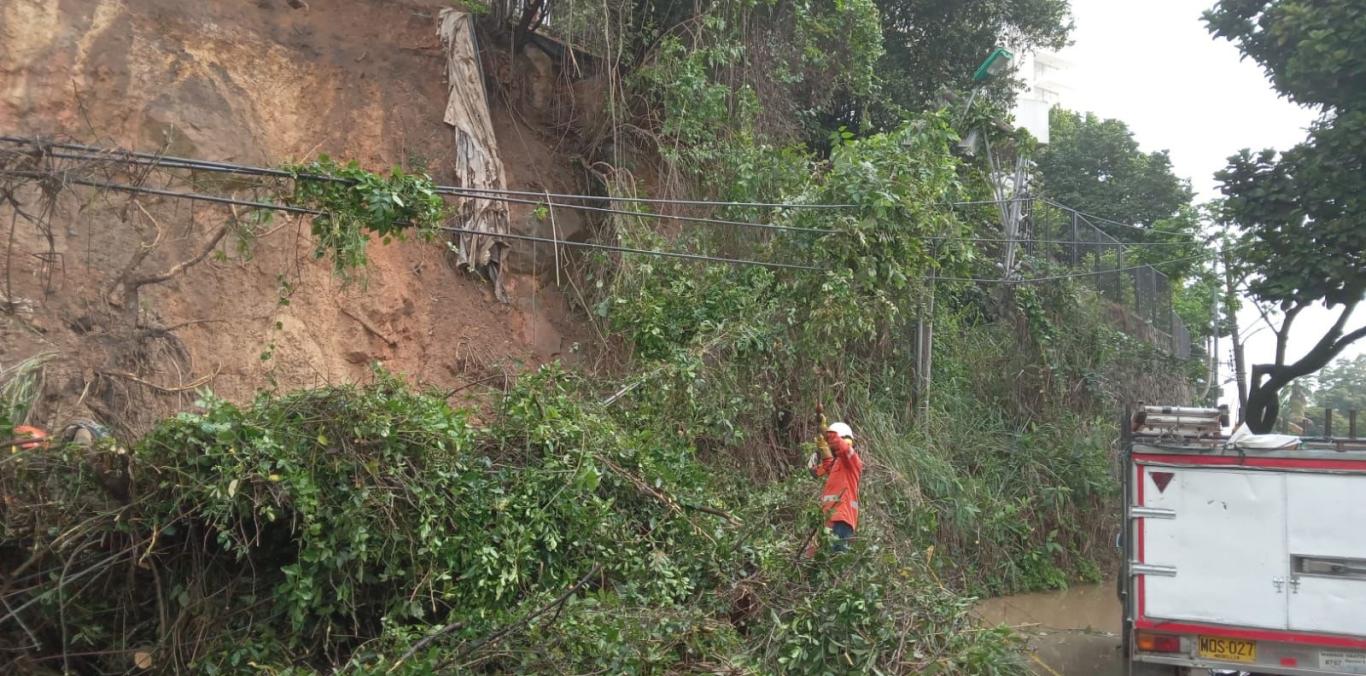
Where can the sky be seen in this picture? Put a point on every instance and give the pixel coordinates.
(1153, 65)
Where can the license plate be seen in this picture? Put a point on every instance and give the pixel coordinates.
(1229, 649)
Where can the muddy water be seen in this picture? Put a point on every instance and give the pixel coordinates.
(1074, 631)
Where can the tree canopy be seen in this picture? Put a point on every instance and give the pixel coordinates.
(1096, 166)
(1300, 212)
(1341, 385)
(937, 43)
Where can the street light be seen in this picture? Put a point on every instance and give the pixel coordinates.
(996, 63)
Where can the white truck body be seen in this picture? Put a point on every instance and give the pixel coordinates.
(1246, 559)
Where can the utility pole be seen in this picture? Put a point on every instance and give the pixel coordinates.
(1214, 343)
(1239, 367)
(924, 351)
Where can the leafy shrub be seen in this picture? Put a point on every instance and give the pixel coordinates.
(356, 203)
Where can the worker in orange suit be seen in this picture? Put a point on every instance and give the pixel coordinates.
(842, 468)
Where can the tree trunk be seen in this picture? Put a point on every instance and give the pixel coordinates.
(1263, 404)
(1263, 400)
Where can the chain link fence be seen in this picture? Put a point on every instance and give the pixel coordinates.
(1111, 266)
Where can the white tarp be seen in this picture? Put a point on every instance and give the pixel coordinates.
(1244, 438)
(477, 164)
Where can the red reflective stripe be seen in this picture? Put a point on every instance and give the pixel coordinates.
(1254, 634)
(1142, 580)
(1234, 461)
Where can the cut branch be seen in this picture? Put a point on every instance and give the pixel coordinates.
(369, 326)
(204, 251)
(160, 388)
(522, 621)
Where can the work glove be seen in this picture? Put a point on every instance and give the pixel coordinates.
(823, 446)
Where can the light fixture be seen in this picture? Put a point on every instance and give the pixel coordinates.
(996, 63)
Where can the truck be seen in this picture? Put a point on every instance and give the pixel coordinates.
(1240, 552)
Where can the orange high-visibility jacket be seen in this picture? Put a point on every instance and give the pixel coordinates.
(843, 470)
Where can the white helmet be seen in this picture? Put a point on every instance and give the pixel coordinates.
(841, 429)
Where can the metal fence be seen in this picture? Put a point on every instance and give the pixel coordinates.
(1072, 238)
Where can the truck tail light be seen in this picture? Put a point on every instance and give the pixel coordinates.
(1158, 643)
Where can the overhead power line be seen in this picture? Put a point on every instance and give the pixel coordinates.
(1071, 275)
(288, 208)
(1091, 217)
(622, 249)
(587, 245)
(93, 153)
(118, 153)
(216, 199)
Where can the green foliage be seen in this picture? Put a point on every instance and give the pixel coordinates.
(1025, 513)
(1193, 302)
(930, 47)
(1341, 385)
(309, 472)
(1310, 50)
(357, 203)
(848, 618)
(1301, 212)
(341, 526)
(1303, 223)
(20, 385)
(1096, 166)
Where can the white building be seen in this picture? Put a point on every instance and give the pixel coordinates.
(1043, 73)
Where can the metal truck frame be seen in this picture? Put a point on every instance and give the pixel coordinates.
(1242, 559)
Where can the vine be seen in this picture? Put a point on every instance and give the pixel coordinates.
(356, 203)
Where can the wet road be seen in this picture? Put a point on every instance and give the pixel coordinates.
(1075, 631)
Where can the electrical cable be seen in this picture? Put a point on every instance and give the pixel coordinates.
(199, 197)
(1089, 273)
(499, 195)
(176, 163)
(472, 193)
(247, 169)
(496, 235)
(734, 261)
(173, 163)
(622, 249)
(1091, 217)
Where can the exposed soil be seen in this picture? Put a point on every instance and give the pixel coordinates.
(256, 82)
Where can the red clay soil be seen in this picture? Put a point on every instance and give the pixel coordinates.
(256, 82)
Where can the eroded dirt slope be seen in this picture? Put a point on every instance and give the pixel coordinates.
(259, 82)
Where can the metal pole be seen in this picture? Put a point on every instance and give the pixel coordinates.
(1328, 422)
(928, 366)
(1352, 423)
(1074, 239)
(1119, 276)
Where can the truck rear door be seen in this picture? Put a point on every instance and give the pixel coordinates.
(1225, 536)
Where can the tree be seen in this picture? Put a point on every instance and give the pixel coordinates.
(1342, 385)
(1300, 213)
(931, 45)
(1096, 166)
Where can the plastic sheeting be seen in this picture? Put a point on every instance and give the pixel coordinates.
(1244, 438)
(477, 163)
